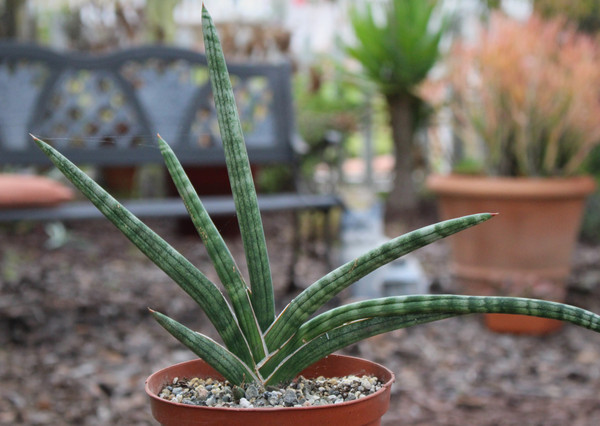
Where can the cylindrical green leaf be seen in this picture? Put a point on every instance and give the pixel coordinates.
(339, 338)
(324, 289)
(175, 265)
(347, 324)
(220, 255)
(226, 363)
(240, 177)
(447, 303)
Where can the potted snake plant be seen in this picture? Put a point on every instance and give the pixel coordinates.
(261, 350)
(525, 105)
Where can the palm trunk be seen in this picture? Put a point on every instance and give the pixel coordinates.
(402, 201)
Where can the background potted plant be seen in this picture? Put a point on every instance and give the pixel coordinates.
(524, 99)
(259, 348)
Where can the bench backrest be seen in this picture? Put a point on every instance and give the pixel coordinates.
(107, 109)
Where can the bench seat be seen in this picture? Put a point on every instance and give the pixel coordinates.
(172, 207)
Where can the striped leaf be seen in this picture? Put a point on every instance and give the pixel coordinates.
(176, 266)
(348, 324)
(341, 337)
(447, 303)
(319, 293)
(240, 177)
(226, 363)
(221, 257)
(292, 344)
(397, 52)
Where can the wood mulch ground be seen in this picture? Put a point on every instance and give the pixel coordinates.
(77, 341)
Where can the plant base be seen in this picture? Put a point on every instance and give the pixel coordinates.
(365, 411)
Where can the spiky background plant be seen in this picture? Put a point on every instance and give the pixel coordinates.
(396, 53)
(259, 346)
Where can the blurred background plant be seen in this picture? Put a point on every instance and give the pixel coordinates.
(396, 53)
(525, 98)
(330, 109)
(100, 25)
(583, 13)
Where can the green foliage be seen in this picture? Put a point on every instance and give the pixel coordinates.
(590, 226)
(398, 54)
(275, 178)
(584, 13)
(323, 89)
(159, 14)
(468, 166)
(327, 105)
(258, 346)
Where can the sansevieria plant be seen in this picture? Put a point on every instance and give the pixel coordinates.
(258, 345)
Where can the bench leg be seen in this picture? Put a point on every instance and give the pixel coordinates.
(327, 235)
(322, 218)
(296, 241)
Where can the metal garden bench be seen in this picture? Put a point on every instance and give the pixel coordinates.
(105, 111)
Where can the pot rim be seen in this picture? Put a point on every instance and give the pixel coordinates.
(386, 384)
(514, 187)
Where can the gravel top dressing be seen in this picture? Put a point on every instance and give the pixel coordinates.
(301, 392)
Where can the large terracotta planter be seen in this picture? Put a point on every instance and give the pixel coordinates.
(525, 251)
(361, 412)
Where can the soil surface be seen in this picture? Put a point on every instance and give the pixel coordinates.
(77, 340)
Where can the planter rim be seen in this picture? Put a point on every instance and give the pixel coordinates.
(387, 383)
(514, 187)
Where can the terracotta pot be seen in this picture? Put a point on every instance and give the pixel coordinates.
(526, 250)
(364, 411)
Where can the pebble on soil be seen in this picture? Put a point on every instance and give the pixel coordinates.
(302, 392)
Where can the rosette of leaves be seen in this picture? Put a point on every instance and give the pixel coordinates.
(257, 345)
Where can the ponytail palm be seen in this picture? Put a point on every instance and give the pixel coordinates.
(397, 55)
(258, 346)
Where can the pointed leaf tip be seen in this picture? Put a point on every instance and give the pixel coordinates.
(161, 141)
(40, 143)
